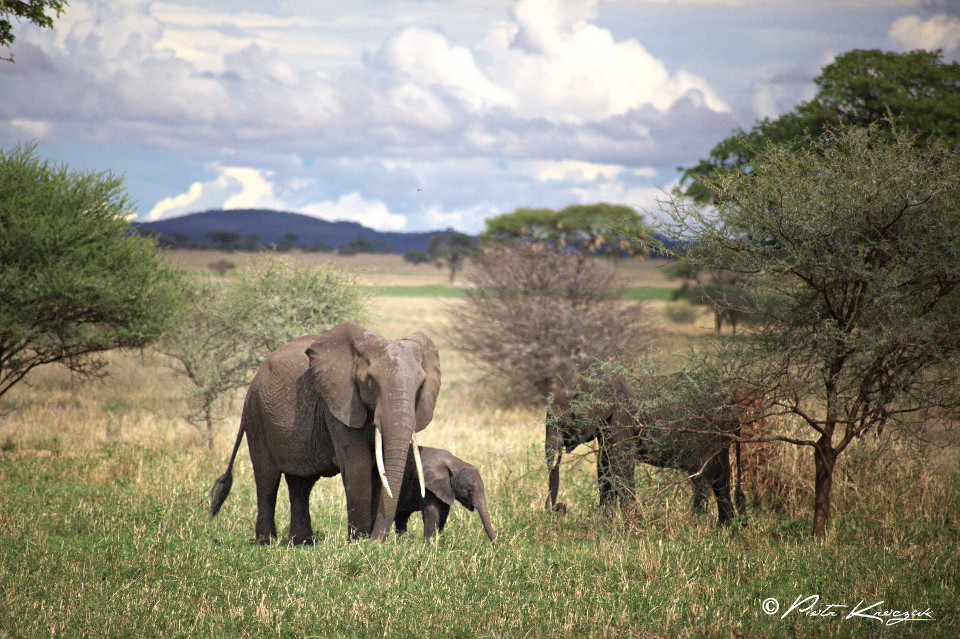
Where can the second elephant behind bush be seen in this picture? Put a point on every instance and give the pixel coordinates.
(448, 478)
(691, 431)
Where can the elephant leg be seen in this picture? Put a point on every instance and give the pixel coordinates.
(266, 475)
(701, 493)
(267, 485)
(616, 465)
(431, 512)
(721, 488)
(301, 530)
(604, 479)
(354, 450)
(444, 512)
(401, 522)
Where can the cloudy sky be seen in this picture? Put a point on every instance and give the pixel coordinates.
(424, 114)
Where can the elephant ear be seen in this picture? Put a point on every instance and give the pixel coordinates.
(438, 483)
(430, 363)
(332, 363)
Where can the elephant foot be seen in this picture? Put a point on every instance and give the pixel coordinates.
(302, 541)
(558, 507)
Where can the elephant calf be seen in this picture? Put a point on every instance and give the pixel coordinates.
(665, 438)
(447, 479)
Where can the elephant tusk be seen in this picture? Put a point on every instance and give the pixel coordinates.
(378, 452)
(419, 463)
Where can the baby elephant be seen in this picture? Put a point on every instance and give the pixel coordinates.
(447, 478)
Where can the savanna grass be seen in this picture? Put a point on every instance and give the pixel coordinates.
(104, 531)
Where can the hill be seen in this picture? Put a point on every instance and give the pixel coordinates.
(272, 226)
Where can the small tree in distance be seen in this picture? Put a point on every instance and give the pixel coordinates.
(534, 313)
(236, 324)
(452, 249)
(716, 288)
(849, 248)
(591, 229)
(74, 280)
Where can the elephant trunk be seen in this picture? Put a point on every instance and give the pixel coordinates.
(554, 453)
(394, 418)
(481, 505)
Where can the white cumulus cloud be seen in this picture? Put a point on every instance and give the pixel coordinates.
(939, 32)
(234, 188)
(353, 207)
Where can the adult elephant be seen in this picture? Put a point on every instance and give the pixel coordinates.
(346, 401)
(684, 435)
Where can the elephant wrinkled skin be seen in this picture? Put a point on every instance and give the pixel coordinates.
(448, 479)
(334, 403)
(624, 440)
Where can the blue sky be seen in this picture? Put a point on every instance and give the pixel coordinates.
(424, 114)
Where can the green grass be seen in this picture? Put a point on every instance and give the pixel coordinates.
(117, 543)
(636, 293)
(104, 532)
(649, 293)
(426, 290)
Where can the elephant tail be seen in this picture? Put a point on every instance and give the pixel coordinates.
(221, 487)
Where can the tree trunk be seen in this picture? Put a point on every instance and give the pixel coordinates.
(208, 416)
(825, 460)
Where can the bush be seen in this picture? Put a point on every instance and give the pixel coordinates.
(236, 324)
(682, 312)
(535, 313)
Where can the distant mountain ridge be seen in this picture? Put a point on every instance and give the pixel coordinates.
(271, 226)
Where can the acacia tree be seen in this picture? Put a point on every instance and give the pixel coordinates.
(591, 229)
(534, 313)
(452, 249)
(849, 246)
(74, 279)
(236, 324)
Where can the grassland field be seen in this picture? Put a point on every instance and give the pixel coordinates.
(104, 529)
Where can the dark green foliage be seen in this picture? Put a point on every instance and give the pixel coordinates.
(917, 89)
(285, 244)
(73, 278)
(364, 245)
(230, 241)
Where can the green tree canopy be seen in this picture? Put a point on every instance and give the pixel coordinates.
(74, 278)
(848, 248)
(34, 11)
(861, 87)
(595, 229)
